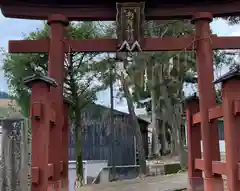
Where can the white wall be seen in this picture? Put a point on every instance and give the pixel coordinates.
(90, 168)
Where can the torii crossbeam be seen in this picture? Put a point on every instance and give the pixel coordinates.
(109, 45)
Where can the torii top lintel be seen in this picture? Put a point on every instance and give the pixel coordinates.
(86, 10)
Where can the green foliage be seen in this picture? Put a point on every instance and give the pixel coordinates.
(79, 86)
(174, 75)
(18, 66)
(169, 69)
(232, 20)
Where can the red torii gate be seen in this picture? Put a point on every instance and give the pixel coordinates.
(49, 117)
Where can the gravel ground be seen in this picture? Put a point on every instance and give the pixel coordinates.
(158, 183)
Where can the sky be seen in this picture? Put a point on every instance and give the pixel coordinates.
(14, 29)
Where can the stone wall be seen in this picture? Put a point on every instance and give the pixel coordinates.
(15, 173)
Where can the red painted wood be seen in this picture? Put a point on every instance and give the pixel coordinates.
(36, 110)
(207, 99)
(219, 167)
(40, 135)
(194, 145)
(109, 45)
(236, 107)
(57, 25)
(35, 175)
(50, 170)
(104, 13)
(196, 118)
(230, 93)
(199, 164)
(54, 186)
(213, 113)
(238, 165)
(52, 116)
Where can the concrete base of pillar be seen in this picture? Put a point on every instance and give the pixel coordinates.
(213, 184)
(218, 183)
(195, 184)
(54, 186)
(64, 185)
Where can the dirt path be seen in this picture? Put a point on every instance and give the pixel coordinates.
(158, 183)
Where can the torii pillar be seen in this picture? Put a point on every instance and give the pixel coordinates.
(42, 116)
(231, 114)
(207, 99)
(57, 25)
(194, 144)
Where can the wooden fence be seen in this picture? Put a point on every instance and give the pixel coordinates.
(98, 137)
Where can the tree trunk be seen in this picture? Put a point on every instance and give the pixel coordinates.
(136, 126)
(168, 114)
(163, 138)
(174, 141)
(77, 125)
(79, 182)
(111, 123)
(155, 129)
(79, 165)
(179, 124)
(181, 151)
